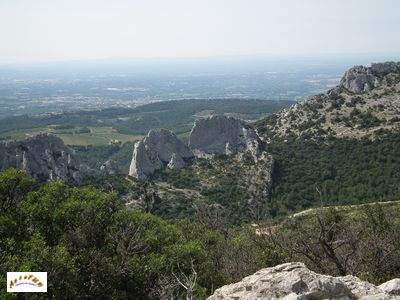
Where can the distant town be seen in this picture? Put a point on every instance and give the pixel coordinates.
(29, 90)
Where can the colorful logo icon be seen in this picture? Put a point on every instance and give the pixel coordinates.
(27, 282)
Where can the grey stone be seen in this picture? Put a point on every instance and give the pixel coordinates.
(295, 281)
(155, 151)
(223, 135)
(361, 79)
(391, 287)
(176, 162)
(44, 157)
(110, 167)
(360, 288)
(385, 68)
(215, 135)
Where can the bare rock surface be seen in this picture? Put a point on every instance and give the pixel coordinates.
(360, 79)
(212, 136)
(156, 151)
(365, 103)
(109, 167)
(391, 286)
(223, 135)
(44, 157)
(295, 281)
(176, 162)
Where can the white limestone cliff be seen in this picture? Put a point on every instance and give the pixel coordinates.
(156, 151)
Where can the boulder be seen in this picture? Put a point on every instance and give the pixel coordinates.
(44, 157)
(158, 149)
(362, 289)
(391, 287)
(294, 281)
(223, 135)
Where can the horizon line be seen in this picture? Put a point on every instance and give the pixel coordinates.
(201, 58)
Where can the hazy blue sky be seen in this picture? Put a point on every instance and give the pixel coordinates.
(48, 30)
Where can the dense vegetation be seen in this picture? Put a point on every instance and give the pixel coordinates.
(236, 187)
(306, 173)
(336, 171)
(95, 156)
(94, 248)
(192, 225)
(179, 115)
(363, 241)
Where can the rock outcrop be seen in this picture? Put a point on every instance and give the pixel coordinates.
(392, 287)
(366, 103)
(223, 135)
(361, 79)
(215, 135)
(44, 157)
(158, 149)
(295, 282)
(176, 162)
(110, 167)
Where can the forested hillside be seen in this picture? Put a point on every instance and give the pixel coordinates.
(175, 115)
(309, 173)
(306, 173)
(92, 247)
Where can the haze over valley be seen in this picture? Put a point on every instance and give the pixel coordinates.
(90, 85)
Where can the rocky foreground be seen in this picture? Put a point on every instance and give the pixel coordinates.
(293, 281)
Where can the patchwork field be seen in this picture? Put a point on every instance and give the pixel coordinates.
(120, 125)
(96, 136)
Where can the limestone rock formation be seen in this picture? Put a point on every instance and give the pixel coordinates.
(158, 149)
(44, 157)
(223, 135)
(391, 286)
(365, 103)
(360, 79)
(215, 135)
(295, 281)
(176, 162)
(110, 167)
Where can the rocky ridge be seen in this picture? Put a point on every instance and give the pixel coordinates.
(44, 157)
(293, 281)
(361, 79)
(216, 135)
(366, 102)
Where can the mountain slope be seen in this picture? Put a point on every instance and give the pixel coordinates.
(225, 166)
(364, 104)
(340, 147)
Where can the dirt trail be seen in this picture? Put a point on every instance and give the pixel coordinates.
(342, 207)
